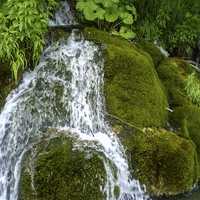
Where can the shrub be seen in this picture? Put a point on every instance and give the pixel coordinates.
(119, 15)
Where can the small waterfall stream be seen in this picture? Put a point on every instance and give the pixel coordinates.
(65, 91)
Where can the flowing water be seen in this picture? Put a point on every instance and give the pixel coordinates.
(63, 15)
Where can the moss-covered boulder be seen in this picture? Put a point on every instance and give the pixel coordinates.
(173, 73)
(186, 119)
(132, 88)
(56, 170)
(166, 163)
(153, 51)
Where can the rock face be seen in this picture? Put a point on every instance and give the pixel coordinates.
(55, 170)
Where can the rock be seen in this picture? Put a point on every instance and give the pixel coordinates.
(58, 171)
(186, 120)
(173, 73)
(166, 163)
(132, 89)
(153, 51)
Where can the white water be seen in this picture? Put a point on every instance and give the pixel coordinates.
(64, 92)
(162, 50)
(63, 15)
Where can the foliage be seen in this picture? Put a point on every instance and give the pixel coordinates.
(175, 24)
(120, 15)
(22, 25)
(192, 88)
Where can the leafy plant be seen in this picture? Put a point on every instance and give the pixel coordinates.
(22, 26)
(174, 24)
(192, 88)
(117, 15)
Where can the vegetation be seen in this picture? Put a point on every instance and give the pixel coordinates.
(117, 14)
(175, 24)
(193, 88)
(140, 84)
(22, 27)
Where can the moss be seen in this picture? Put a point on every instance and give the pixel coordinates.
(187, 120)
(153, 51)
(61, 172)
(163, 161)
(132, 88)
(173, 73)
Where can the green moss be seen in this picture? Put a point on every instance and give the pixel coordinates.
(173, 73)
(164, 162)
(153, 51)
(61, 172)
(187, 120)
(132, 88)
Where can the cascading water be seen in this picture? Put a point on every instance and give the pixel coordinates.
(63, 16)
(64, 92)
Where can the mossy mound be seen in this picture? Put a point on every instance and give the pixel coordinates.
(60, 172)
(132, 89)
(153, 51)
(173, 73)
(166, 163)
(187, 121)
(185, 118)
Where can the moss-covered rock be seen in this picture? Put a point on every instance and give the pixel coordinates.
(153, 51)
(166, 163)
(132, 88)
(173, 73)
(58, 171)
(186, 119)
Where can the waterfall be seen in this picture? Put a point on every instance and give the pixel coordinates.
(63, 15)
(65, 91)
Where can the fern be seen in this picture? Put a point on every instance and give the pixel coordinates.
(22, 26)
